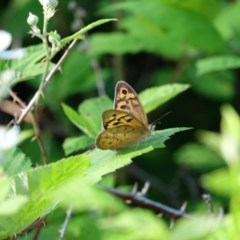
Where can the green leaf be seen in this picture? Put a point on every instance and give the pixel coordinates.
(43, 186)
(106, 161)
(76, 119)
(230, 124)
(16, 161)
(89, 117)
(222, 181)
(230, 137)
(197, 227)
(210, 139)
(158, 138)
(161, 31)
(37, 185)
(73, 144)
(91, 110)
(91, 197)
(227, 22)
(218, 63)
(126, 225)
(222, 82)
(12, 205)
(26, 67)
(95, 24)
(154, 97)
(4, 184)
(29, 65)
(198, 157)
(80, 34)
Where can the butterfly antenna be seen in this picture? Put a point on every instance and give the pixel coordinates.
(153, 124)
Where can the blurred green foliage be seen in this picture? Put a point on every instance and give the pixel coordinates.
(160, 47)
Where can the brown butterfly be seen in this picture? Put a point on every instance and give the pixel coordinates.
(126, 124)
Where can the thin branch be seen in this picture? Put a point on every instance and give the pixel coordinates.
(36, 128)
(137, 199)
(39, 139)
(38, 229)
(37, 95)
(155, 182)
(38, 224)
(62, 231)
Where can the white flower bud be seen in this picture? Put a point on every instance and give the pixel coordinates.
(49, 3)
(32, 19)
(49, 7)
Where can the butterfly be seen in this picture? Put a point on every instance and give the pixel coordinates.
(126, 124)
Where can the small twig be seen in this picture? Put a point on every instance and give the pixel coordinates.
(62, 231)
(140, 200)
(39, 223)
(35, 98)
(20, 103)
(39, 139)
(39, 227)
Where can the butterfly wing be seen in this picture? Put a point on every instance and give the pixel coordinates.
(126, 100)
(121, 130)
(120, 137)
(115, 118)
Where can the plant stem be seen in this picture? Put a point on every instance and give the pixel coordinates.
(45, 82)
(36, 128)
(62, 231)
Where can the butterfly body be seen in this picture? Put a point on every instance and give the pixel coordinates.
(127, 124)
